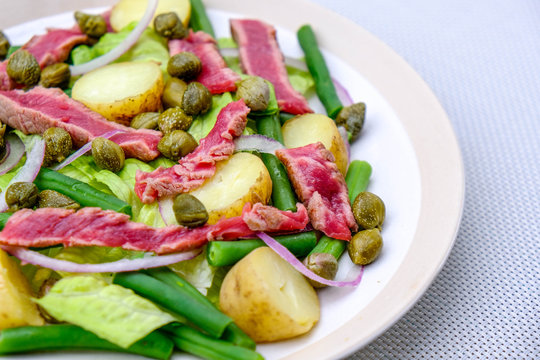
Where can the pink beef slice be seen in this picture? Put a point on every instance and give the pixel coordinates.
(48, 49)
(40, 108)
(321, 187)
(96, 227)
(215, 74)
(260, 55)
(193, 169)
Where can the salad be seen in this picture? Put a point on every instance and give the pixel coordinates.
(131, 247)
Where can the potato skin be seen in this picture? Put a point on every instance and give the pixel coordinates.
(309, 128)
(268, 299)
(126, 11)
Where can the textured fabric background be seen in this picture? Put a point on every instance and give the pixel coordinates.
(482, 60)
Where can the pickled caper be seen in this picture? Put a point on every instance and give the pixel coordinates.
(58, 145)
(23, 68)
(184, 65)
(4, 46)
(2, 140)
(177, 144)
(170, 26)
(365, 246)
(255, 92)
(173, 93)
(21, 195)
(56, 75)
(147, 120)
(189, 211)
(107, 154)
(323, 264)
(369, 210)
(92, 25)
(54, 199)
(352, 118)
(197, 99)
(174, 119)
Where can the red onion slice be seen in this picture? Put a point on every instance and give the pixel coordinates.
(356, 273)
(84, 149)
(28, 171)
(121, 48)
(258, 143)
(35, 258)
(166, 211)
(14, 152)
(342, 93)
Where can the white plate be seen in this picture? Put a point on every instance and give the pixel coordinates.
(417, 170)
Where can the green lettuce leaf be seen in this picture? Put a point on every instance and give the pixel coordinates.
(111, 312)
(196, 271)
(202, 124)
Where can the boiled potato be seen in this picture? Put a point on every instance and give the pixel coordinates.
(238, 180)
(267, 298)
(126, 11)
(121, 91)
(16, 308)
(310, 128)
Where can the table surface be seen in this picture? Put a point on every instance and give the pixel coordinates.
(482, 60)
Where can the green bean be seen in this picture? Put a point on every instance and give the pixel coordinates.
(224, 253)
(181, 303)
(69, 337)
(199, 19)
(81, 192)
(283, 117)
(196, 343)
(270, 126)
(319, 71)
(329, 245)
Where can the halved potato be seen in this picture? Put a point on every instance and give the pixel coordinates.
(241, 179)
(309, 128)
(16, 308)
(122, 90)
(126, 11)
(267, 298)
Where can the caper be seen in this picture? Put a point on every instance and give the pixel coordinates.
(58, 145)
(352, 118)
(4, 46)
(174, 119)
(365, 246)
(170, 26)
(2, 141)
(92, 25)
(323, 264)
(185, 65)
(54, 199)
(173, 93)
(197, 99)
(107, 154)
(21, 195)
(189, 211)
(176, 144)
(369, 210)
(55, 75)
(255, 92)
(23, 68)
(146, 120)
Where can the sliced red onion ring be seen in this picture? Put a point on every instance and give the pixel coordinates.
(345, 136)
(257, 142)
(166, 211)
(84, 149)
(121, 48)
(14, 152)
(35, 258)
(28, 171)
(356, 273)
(342, 93)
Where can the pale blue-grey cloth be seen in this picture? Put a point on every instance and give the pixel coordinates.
(481, 58)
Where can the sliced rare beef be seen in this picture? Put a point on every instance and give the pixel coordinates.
(40, 108)
(215, 74)
(96, 227)
(48, 49)
(193, 169)
(260, 55)
(321, 187)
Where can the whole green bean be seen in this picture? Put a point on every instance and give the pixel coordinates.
(81, 192)
(199, 19)
(270, 126)
(69, 337)
(319, 71)
(182, 303)
(224, 253)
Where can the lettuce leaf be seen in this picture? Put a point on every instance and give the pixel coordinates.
(196, 271)
(202, 124)
(111, 312)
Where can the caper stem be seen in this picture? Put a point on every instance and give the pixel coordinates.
(199, 19)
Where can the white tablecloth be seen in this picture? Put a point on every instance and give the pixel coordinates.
(482, 60)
